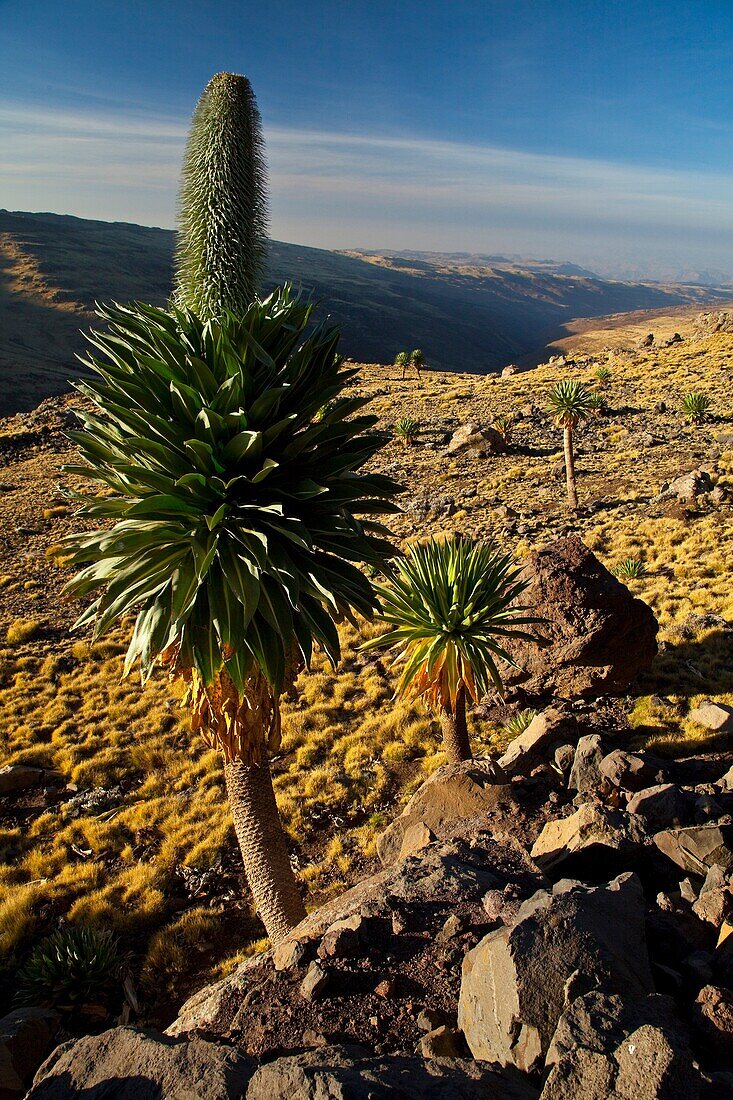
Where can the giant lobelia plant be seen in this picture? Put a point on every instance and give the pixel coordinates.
(234, 524)
(226, 465)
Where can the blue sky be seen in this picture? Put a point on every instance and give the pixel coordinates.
(599, 132)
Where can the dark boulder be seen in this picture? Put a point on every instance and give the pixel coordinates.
(597, 637)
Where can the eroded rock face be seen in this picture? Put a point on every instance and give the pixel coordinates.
(698, 847)
(625, 1048)
(516, 982)
(130, 1064)
(593, 831)
(444, 877)
(598, 636)
(454, 792)
(585, 774)
(351, 1073)
(713, 1018)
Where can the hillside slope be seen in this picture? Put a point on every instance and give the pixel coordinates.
(133, 833)
(464, 314)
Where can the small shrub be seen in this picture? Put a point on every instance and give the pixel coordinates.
(22, 630)
(520, 721)
(75, 971)
(504, 426)
(631, 569)
(402, 360)
(406, 430)
(603, 377)
(417, 359)
(597, 403)
(697, 406)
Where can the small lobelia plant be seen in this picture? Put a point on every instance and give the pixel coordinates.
(402, 361)
(603, 377)
(406, 430)
(597, 403)
(697, 406)
(76, 971)
(417, 360)
(520, 721)
(504, 425)
(450, 605)
(569, 403)
(630, 569)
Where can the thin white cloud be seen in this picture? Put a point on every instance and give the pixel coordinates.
(340, 189)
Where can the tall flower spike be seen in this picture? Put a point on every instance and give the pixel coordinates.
(222, 206)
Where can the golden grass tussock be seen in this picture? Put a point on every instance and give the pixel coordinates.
(22, 630)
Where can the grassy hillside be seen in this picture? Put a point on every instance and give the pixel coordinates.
(466, 313)
(136, 836)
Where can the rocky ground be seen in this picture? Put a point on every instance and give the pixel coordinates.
(553, 919)
(596, 964)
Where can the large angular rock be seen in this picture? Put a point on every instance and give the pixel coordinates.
(18, 777)
(516, 982)
(477, 442)
(129, 1064)
(585, 774)
(552, 727)
(713, 716)
(688, 487)
(630, 771)
(26, 1036)
(351, 1073)
(453, 793)
(663, 804)
(593, 831)
(598, 637)
(698, 847)
(606, 1046)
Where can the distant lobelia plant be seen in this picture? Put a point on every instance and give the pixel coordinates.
(225, 466)
(222, 205)
(597, 403)
(603, 377)
(450, 605)
(697, 406)
(406, 429)
(417, 360)
(569, 401)
(402, 360)
(504, 425)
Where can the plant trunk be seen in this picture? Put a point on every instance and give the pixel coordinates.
(264, 851)
(570, 468)
(453, 726)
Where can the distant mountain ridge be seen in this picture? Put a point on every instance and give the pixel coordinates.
(466, 313)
